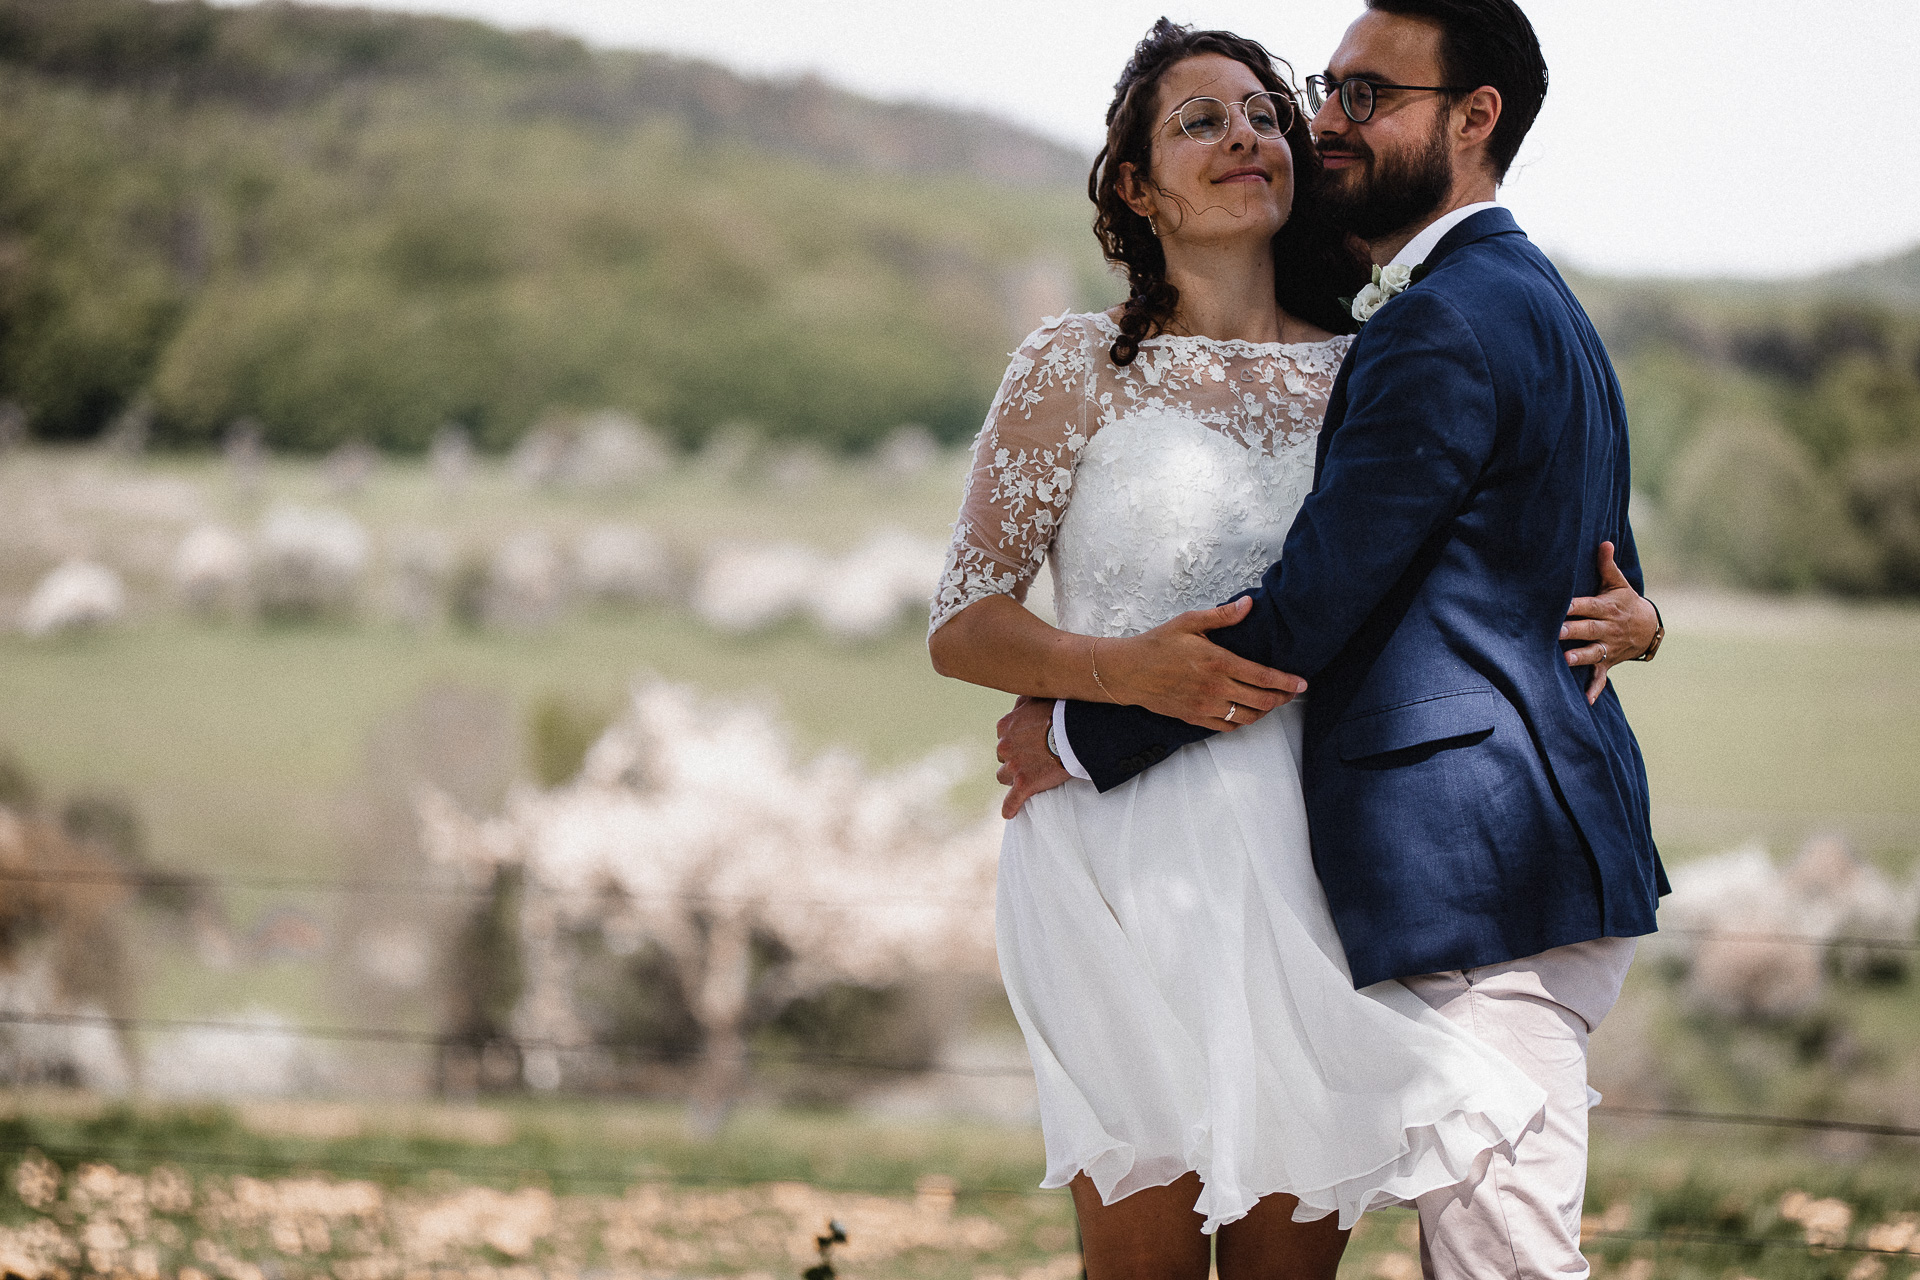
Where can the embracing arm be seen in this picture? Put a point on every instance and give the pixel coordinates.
(1618, 625)
(1173, 669)
(1406, 455)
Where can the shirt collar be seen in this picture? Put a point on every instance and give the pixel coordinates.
(1421, 246)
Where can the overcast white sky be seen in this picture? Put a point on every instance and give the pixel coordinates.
(1749, 137)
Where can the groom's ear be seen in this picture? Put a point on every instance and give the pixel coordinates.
(1475, 115)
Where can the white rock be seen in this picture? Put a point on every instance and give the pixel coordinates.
(907, 451)
(210, 568)
(420, 564)
(85, 1050)
(527, 583)
(450, 457)
(622, 563)
(746, 588)
(263, 1056)
(611, 450)
(863, 594)
(77, 595)
(309, 561)
(850, 601)
(1757, 937)
(1726, 915)
(604, 450)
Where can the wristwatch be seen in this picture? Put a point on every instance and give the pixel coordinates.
(1054, 750)
(1659, 634)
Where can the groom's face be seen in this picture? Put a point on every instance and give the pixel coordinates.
(1396, 169)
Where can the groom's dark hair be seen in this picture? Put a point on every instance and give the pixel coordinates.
(1487, 42)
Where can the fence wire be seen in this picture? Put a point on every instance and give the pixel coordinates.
(176, 881)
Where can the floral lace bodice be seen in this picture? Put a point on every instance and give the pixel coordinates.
(1164, 485)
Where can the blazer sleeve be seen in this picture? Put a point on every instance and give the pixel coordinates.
(1626, 556)
(1419, 428)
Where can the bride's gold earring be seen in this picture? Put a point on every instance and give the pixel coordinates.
(1153, 226)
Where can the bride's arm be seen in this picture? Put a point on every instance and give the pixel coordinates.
(1173, 669)
(1617, 625)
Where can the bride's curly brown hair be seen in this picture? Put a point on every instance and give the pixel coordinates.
(1314, 261)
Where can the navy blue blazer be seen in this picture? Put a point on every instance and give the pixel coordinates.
(1466, 805)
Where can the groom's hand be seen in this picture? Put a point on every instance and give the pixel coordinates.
(1177, 671)
(1617, 625)
(1026, 766)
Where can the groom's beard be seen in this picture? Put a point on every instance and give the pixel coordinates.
(1384, 194)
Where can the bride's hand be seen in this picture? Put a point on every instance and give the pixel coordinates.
(1176, 671)
(1617, 625)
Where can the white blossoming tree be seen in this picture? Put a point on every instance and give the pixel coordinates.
(695, 827)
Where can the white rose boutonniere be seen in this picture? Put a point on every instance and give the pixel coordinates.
(1387, 283)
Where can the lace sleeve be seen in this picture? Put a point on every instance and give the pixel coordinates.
(1023, 465)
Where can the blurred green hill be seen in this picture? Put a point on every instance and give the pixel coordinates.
(1776, 425)
(350, 225)
(1895, 280)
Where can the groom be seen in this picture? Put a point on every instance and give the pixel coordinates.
(1480, 828)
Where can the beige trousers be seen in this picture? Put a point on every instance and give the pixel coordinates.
(1518, 1216)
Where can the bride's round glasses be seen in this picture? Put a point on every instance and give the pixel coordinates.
(1208, 120)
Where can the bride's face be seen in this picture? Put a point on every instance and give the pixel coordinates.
(1240, 186)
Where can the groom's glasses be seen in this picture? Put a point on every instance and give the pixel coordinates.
(1208, 120)
(1357, 97)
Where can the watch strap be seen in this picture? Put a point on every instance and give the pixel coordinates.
(1659, 634)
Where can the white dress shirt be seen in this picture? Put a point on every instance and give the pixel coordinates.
(1416, 252)
(1421, 247)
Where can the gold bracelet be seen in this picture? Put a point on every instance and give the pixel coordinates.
(1093, 646)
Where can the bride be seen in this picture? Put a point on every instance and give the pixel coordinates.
(1204, 1062)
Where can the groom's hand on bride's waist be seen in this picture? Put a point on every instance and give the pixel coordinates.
(1176, 671)
(1028, 765)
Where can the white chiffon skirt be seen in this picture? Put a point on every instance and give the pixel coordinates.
(1187, 1003)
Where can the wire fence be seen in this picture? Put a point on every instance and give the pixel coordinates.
(176, 881)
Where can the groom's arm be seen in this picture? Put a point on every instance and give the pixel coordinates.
(1419, 428)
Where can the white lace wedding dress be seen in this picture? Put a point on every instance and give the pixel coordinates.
(1166, 946)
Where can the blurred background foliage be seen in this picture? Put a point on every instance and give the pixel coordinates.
(1776, 428)
(352, 226)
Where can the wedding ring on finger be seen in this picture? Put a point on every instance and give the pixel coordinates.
(1231, 708)
(1604, 657)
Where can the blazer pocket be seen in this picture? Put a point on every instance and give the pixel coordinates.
(1430, 722)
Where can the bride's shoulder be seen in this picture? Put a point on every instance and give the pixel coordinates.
(1062, 352)
(1068, 326)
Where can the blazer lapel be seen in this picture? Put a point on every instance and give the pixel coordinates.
(1481, 226)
